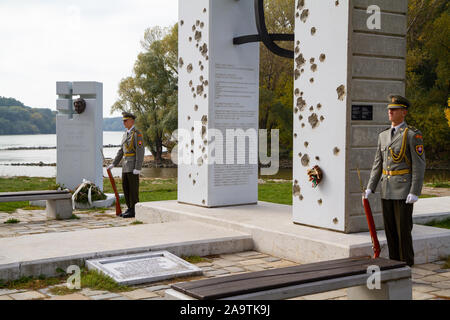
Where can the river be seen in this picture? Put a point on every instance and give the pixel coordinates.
(7, 157)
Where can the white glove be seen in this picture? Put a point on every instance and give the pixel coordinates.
(411, 198)
(110, 167)
(367, 193)
(137, 172)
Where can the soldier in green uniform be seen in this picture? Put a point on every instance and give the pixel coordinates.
(132, 150)
(400, 163)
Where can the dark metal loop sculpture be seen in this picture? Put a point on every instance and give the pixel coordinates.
(264, 36)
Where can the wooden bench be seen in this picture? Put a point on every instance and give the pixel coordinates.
(291, 282)
(59, 203)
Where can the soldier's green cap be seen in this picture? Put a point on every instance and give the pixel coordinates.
(127, 115)
(398, 102)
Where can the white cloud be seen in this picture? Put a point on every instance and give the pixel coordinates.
(45, 41)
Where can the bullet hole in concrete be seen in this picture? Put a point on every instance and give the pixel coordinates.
(202, 25)
(311, 80)
(313, 31)
(190, 83)
(311, 109)
(296, 190)
(322, 57)
(322, 118)
(190, 175)
(196, 45)
(301, 197)
(197, 23)
(300, 117)
(205, 141)
(200, 90)
(303, 70)
(300, 154)
(194, 95)
(194, 182)
(204, 96)
(312, 60)
(189, 118)
(306, 144)
(319, 106)
(205, 156)
(203, 131)
(301, 104)
(181, 22)
(314, 67)
(336, 3)
(298, 42)
(203, 201)
(192, 129)
(192, 151)
(204, 49)
(206, 82)
(304, 15)
(335, 220)
(190, 68)
(207, 58)
(202, 67)
(192, 89)
(295, 135)
(297, 14)
(180, 62)
(297, 50)
(190, 39)
(192, 142)
(300, 4)
(200, 161)
(204, 10)
(196, 107)
(317, 158)
(320, 202)
(341, 92)
(301, 93)
(203, 149)
(303, 125)
(313, 121)
(305, 160)
(201, 78)
(296, 110)
(204, 119)
(300, 60)
(336, 151)
(297, 92)
(296, 74)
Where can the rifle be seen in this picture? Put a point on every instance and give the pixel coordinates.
(370, 222)
(113, 184)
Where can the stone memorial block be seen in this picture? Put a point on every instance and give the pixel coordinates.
(79, 135)
(345, 67)
(218, 89)
(144, 268)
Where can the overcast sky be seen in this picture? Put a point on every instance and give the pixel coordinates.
(44, 41)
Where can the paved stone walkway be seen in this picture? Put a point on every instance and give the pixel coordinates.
(35, 221)
(430, 282)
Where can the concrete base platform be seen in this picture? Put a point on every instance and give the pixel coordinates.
(34, 255)
(274, 233)
(431, 209)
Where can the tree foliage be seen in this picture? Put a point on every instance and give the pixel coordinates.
(18, 119)
(428, 73)
(151, 92)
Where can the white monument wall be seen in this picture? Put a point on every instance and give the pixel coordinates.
(79, 136)
(218, 89)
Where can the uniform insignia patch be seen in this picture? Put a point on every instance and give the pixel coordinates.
(419, 150)
(140, 143)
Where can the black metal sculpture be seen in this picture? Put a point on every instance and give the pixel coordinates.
(264, 36)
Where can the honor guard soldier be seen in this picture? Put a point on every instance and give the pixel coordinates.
(400, 163)
(132, 150)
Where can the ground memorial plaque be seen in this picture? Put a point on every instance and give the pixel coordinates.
(144, 268)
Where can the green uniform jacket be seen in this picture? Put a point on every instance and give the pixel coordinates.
(397, 187)
(132, 150)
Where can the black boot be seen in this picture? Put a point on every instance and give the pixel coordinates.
(130, 214)
(124, 213)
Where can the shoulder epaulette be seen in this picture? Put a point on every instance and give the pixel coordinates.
(413, 129)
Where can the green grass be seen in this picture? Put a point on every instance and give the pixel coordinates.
(74, 217)
(440, 184)
(136, 222)
(446, 265)
(195, 259)
(275, 192)
(96, 280)
(12, 221)
(440, 224)
(31, 283)
(424, 196)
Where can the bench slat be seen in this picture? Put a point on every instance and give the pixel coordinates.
(272, 279)
(36, 197)
(26, 193)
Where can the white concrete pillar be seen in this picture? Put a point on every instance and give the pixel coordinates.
(218, 89)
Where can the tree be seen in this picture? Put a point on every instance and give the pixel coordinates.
(151, 92)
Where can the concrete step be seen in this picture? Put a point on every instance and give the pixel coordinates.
(42, 254)
(274, 233)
